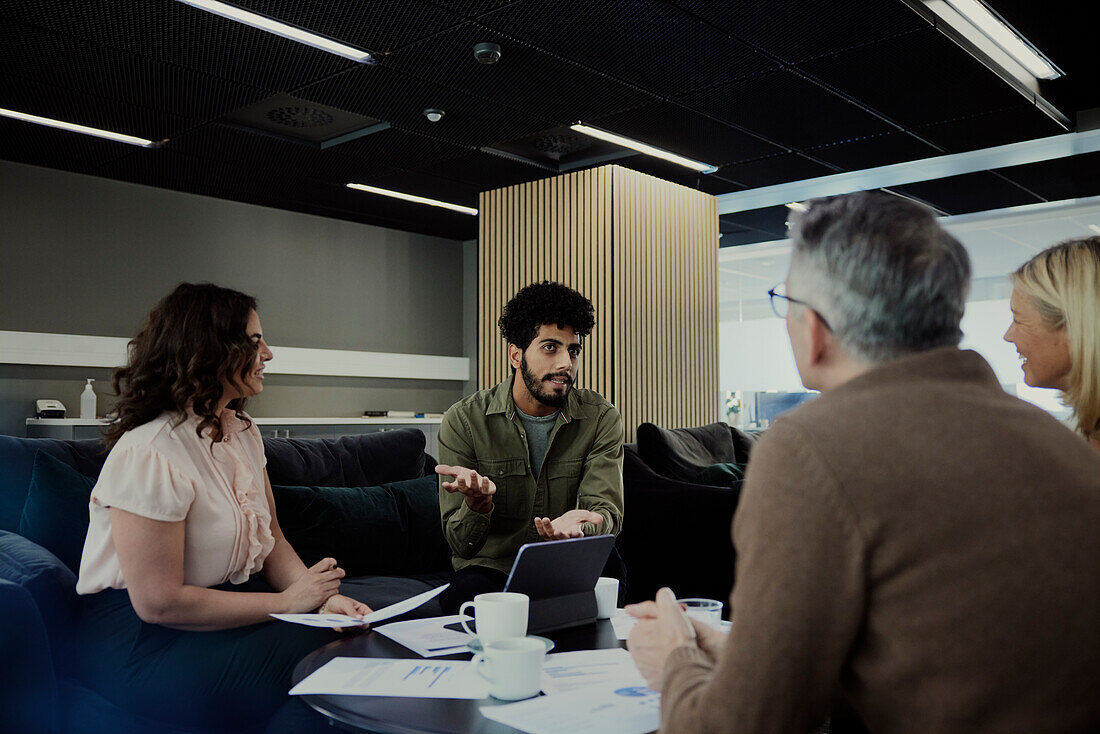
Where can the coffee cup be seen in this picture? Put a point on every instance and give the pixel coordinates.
(607, 597)
(497, 615)
(514, 667)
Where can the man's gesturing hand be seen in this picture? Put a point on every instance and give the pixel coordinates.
(566, 526)
(479, 490)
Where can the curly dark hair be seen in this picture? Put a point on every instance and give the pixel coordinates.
(545, 303)
(190, 343)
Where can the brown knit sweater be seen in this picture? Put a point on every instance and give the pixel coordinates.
(918, 546)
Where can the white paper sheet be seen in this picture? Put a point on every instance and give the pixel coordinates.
(590, 670)
(623, 623)
(627, 710)
(427, 637)
(379, 615)
(321, 620)
(387, 677)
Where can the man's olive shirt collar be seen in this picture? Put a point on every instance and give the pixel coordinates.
(501, 401)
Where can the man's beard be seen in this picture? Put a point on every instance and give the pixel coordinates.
(534, 386)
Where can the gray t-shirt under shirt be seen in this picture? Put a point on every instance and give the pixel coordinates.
(538, 436)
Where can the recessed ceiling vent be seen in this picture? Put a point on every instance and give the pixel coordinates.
(560, 149)
(302, 121)
(299, 116)
(559, 146)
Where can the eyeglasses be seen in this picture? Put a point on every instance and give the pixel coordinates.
(780, 304)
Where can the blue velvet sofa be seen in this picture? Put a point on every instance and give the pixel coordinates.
(370, 501)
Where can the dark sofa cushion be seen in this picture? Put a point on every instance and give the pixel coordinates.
(50, 584)
(388, 530)
(683, 453)
(349, 461)
(55, 514)
(28, 697)
(17, 462)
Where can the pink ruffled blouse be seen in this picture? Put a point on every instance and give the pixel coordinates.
(170, 473)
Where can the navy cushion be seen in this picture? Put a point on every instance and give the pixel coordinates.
(389, 530)
(729, 474)
(17, 462)
(349, 461)
(55, 514)
(28, 697)
(50, 583)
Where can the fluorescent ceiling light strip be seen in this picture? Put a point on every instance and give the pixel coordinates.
(415, 199)
(1025, 65)
(232, 12)
(644, 148)
(71, 127)
(1005, 37)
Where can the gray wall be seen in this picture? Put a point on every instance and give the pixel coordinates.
(85, 255)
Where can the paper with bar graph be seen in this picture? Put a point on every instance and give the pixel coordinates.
(390, 677)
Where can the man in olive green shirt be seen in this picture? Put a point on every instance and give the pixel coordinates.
(533, 458)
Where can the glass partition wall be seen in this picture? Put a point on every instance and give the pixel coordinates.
(757, 372)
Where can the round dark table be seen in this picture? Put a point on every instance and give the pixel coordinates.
(392, 715)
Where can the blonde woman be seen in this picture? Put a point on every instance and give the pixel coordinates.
(1056, 327)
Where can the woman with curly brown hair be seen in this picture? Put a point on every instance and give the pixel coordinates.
(182, 516)
(1056, 327)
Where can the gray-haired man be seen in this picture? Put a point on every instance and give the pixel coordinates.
(915, 547)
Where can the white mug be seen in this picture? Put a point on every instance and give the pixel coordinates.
(515, 667)
(607, 597)
(498, 614)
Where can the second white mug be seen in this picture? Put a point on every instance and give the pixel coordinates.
(497, 615)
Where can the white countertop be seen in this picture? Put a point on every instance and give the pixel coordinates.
(259, 421)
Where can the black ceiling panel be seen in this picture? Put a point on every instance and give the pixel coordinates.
(485, 171)
(355, 161)
(788, 109)
(769, 91)
(180, 35)
(653, 44)
(773, 170)
(1062, 178)
(917, 79)
(972, 192)
(875, 150)
(1022, 121)
(679, 130)
(373, 25)
(118, 75)
(804, 29)
(400, 99)
(525, 78)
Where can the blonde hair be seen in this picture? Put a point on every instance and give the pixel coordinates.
(1064, 282)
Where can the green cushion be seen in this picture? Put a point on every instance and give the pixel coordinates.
(55, 515)
(390, 530)
(722, 475)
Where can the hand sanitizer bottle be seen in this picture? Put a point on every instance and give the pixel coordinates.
(87, 401)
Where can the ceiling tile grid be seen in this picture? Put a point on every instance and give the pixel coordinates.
(770, 92)
(649, 43)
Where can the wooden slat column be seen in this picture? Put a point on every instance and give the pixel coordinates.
(645, 252)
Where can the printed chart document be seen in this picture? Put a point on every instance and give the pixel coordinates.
(589, 670)
(427, 637)
(388, 677)
(626, 710)
(343, 620)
